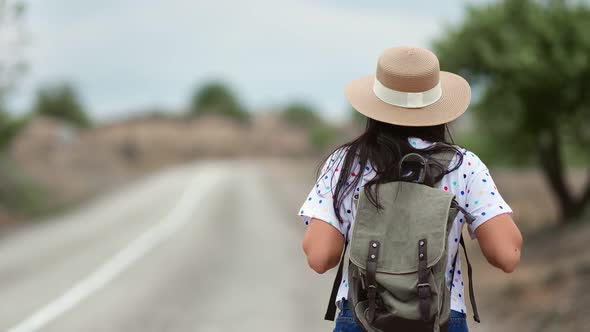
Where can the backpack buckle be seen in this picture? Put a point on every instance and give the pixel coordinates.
(424, 290)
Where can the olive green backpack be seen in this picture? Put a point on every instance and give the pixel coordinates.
(398, 254)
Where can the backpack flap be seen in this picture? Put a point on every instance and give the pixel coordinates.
(415, 212)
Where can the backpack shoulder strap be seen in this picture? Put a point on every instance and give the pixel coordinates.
(331, 311)
(445, 159)
(470, 275)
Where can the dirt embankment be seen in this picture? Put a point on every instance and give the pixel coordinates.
(550, 290)
(71, 164)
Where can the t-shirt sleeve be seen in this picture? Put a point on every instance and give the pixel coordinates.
(483, 200)
(319, 204)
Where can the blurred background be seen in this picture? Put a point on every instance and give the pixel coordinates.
(154, 154)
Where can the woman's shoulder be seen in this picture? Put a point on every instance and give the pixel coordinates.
(464, 155)
(335, 164)
(335, 159)
(470, 163)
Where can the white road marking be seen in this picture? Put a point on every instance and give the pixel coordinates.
(176, 218)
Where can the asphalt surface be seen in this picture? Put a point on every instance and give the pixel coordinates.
(213, 246)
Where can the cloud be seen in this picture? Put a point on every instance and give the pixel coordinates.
(125, 55)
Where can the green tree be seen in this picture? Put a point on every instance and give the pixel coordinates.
(4, 133)
(300, 114)
(10, 127)
(12, 66)
(358, 119)
(61, 101)
(529, 62)
(11, 41)
(217, 98)
(320, 134)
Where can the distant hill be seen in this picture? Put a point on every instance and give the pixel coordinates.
(74, 163)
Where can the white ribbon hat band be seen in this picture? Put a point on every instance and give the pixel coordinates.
(407, 99)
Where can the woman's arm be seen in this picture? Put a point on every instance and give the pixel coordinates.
(323, 245)
(500, 241)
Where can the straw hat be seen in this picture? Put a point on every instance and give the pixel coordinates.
(409, 89)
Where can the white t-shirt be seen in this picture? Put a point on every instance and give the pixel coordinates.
(471, 183)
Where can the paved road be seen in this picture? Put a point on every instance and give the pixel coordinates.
(212, 246)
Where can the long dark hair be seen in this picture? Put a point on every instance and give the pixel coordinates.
(383, 145)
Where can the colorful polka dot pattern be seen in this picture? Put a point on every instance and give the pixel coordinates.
(471, 183)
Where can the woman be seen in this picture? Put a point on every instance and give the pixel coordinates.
(408, 104)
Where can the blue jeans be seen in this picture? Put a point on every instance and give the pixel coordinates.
(346, 323)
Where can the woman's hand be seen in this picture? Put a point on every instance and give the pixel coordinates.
(323, 245)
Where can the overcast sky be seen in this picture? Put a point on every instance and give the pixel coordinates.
(127, 55)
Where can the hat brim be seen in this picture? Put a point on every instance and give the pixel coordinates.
(456, 95)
